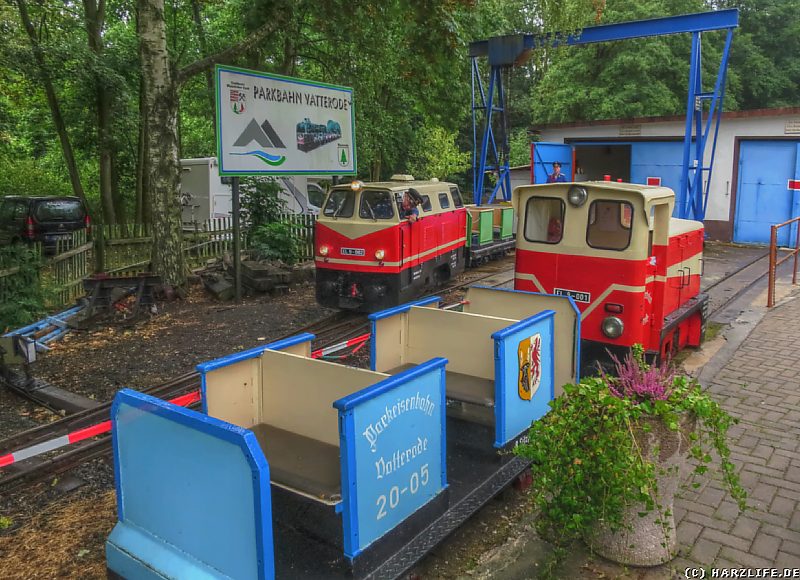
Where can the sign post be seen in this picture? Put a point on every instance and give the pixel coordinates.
(237, 239)
(274, 125)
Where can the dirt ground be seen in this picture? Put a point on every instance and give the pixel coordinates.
(98, 363)
(47, 532)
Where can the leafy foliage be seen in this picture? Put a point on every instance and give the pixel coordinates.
(437, 154)
(588, 464)
(22, 298)
(261, 203)
(276, 241)
(406, 60)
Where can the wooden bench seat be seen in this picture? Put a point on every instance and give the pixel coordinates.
(461, 387)
(301, 464)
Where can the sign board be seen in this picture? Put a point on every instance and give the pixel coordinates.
(273, 125)
(794, 185)
(792, 127)
(653, 181)
(393, 446)
(630, 130)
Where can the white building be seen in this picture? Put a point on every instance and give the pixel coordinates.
(757, 157)
(206, 195)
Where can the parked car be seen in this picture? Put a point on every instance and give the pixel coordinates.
(40, 219)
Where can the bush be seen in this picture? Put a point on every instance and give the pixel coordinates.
(275, 241)
(261, 203)
(588, 463)
(21, 298)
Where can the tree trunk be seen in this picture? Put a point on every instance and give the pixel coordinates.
(119, 201)
(161, 123)
(160, 84)
(142, 195)
(52, 101)
(94, 13)
(201, 39)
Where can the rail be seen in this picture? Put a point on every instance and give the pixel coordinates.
(774, 262)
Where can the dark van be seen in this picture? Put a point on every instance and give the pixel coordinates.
(40, 219)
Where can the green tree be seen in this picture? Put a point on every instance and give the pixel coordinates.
(436, 154)
(764, 54)
(624, 79)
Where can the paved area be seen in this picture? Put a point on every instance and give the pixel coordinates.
(758, 381)
(760, 385)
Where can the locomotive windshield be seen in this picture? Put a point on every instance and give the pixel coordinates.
(609, 226)
(376, 205)
(544, 220)
(341, 203)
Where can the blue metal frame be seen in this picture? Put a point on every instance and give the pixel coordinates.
(504, 52)
(500, 165)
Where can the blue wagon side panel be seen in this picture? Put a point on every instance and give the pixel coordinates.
(193, 495)
(393, 452)
(524, 375)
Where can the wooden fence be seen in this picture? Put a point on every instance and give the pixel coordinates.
(62, 275)
(123, 249)
(58, 278)
(302, 226)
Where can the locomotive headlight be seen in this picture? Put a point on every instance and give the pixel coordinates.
(379, 254)
(356, 185)
(577, 195)
(612, 327)
(323, 250)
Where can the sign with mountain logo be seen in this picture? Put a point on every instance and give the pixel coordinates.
(274, 125)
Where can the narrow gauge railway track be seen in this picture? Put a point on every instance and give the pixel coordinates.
(339, 326)
(727, 289)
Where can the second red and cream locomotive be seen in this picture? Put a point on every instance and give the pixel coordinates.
(631, 268)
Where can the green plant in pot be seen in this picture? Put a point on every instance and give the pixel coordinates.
(609, 456)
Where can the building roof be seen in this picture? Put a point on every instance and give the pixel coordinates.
(784, 111)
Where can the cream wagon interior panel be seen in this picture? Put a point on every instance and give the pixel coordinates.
(232, 393)
(465, 340)
(298, 393)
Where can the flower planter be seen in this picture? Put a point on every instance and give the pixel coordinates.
(650, 539)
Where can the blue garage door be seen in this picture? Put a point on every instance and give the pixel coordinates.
(763, 197)
(544, 154)
(662, 159)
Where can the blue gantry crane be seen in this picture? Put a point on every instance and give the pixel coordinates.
(503, 52)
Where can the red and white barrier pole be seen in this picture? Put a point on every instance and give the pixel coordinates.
(80, 435)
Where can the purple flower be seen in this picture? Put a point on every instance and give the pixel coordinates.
(638, 381)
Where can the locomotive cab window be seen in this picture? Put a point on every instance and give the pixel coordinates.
(376, 205)
(609, 226)
(544, 220)
(444, 201)
(341, 203)
(456, 197)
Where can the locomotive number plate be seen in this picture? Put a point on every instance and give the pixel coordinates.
(576, 295)
(353, 252)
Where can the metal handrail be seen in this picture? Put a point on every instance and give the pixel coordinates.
(773, 257)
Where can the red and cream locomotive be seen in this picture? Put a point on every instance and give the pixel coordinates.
(631, 268)
(369, 257)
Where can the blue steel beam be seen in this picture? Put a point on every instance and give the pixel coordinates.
(686, 23)
(507, 51)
